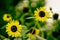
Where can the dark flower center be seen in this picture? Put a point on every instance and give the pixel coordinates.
(32, 31)
(41, 14)
(7, 16)
(13, 28)
(55, 16)
(25, 10)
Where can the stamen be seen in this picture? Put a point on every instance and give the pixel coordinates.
(41, 14)
(7, 16)
(13, 28)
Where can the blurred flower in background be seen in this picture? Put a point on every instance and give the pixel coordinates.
(33, 32)
(7, 17)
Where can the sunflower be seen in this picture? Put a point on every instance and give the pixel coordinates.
(33, 32)
(41, 14)
(13, 29)
(7, 17)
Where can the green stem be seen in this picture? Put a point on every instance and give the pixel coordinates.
(36, 23)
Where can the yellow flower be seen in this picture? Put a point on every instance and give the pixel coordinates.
(41, 14)
(7, 17)
(33, 32)
(13, 29)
